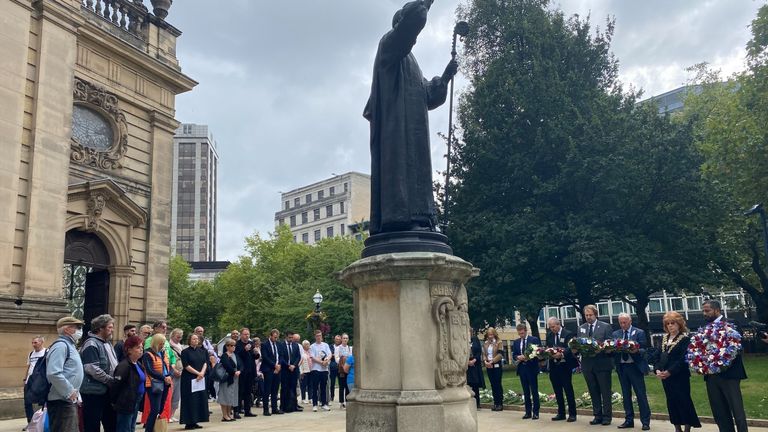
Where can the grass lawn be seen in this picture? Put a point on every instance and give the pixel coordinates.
(754, 389)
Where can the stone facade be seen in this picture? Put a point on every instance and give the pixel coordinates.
(115, 62)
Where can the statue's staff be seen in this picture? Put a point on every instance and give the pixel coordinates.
(460, 29)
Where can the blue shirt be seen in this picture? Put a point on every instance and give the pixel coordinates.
(142, 378)
(351, 375)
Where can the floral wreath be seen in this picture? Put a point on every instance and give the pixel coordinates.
(713, 348)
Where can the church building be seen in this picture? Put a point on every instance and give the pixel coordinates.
(87, 93)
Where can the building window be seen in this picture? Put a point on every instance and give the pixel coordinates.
(656, 305)
(287, 205)
(293, 220)
(332, 191)
(694, 303)
(617, 307)
(305, 237)
(317, 235)
(346, 187)
(602, 309)
(569, 312)
(304, 218)
(329, 231)
(676, 304)
(320, 194)
(342, 231)
(308, 198)
(341, 207)
(329, 210)
(317, 213)
(296, 202)
(282, 221)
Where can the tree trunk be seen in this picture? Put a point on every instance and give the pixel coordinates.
(584, 296)
(533, 321)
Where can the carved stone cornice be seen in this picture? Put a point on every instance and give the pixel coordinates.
(105, 193)
(105, 103)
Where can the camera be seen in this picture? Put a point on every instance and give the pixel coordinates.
(760, 328)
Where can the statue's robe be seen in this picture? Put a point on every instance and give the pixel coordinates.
(401, 168)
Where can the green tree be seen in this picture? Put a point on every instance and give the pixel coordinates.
(566, 190)
(191, 304)
(732, 132)
(272, 284)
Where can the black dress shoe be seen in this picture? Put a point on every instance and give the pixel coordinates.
(571, 419)
(646, 427)
(298, 408)
(595, 421)
(249, 415)
(626, 425)
(237, 416)
(495, 408)
(527, 416)
(266, 413)
(606, 422)
(278, 412)
(535, 417)
(558, 418)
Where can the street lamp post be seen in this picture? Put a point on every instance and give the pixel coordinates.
(759, 209)
(317, 298)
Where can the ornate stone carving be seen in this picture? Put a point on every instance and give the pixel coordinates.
(95, 204)
(97, 99)
(449, 310)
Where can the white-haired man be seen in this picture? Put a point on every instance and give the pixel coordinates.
(64, 371)
(632, 368)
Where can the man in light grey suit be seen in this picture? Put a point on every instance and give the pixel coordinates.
(597, 369)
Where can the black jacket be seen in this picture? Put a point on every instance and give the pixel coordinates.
(230, 367)
(570, 360)
(245, 357)
(475, 373)
(124, 391)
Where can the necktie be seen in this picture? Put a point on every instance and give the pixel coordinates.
(625, 356)
(557, 337)
(289, 352)
(590, 330)
(522, 346)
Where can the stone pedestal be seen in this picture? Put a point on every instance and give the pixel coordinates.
(411, 343)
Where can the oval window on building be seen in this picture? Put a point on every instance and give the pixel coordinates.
(90, 129)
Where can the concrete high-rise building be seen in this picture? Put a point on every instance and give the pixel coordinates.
(340, 205)
(193, 210)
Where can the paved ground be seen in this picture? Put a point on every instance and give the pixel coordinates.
(507, 421)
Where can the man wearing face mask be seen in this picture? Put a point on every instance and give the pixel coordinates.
(64, 371)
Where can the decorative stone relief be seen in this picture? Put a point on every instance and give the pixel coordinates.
(95, 204)
(99, 128)
(449, 310)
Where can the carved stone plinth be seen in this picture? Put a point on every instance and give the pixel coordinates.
(411, 344)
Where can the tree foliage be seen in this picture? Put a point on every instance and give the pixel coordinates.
(272, 284)
(190, 304)
(565, 190)
(731, 130)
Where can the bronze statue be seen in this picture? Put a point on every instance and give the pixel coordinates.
(401, 170)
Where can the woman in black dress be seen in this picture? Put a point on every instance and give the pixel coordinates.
(675, 376)
(475, 377)
(194, 405)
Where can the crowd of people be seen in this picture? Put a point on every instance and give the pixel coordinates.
(669, 365)
(146, 377)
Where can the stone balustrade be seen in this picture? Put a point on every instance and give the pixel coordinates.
(127, 15)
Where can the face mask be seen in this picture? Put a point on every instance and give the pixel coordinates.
(77, 335)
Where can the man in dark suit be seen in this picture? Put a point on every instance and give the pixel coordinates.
(597, 369)
(244, 353)
(724, 389)
(528, 371)
(561, 370)
(270, 367)
(289, 361)
(632, 368)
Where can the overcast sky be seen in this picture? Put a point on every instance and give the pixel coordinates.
(283, 83)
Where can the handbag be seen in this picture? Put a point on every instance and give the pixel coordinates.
(219, 373)
(161, 425)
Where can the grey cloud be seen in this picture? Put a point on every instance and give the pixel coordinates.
(283, 83)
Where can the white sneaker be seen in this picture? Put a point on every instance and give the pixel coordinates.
(326, 408)
(304, 402)
(314, 408)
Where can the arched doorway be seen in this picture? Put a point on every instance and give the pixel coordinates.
(86, 276)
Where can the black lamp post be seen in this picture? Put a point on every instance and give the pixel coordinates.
(759, 209)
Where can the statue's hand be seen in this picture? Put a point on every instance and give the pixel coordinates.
(450, 70)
